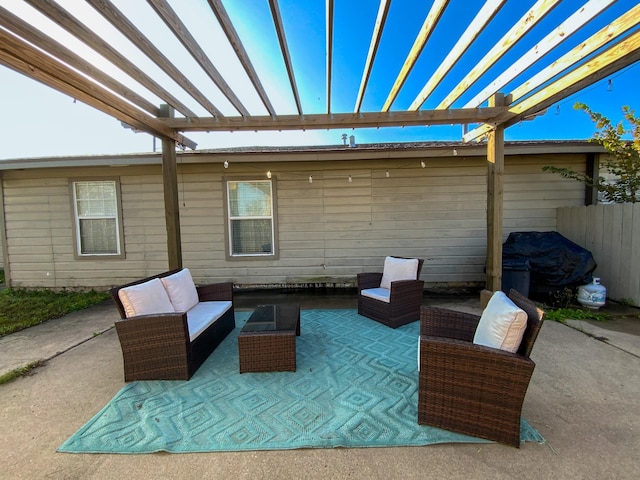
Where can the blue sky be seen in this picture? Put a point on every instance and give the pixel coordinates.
(39, 121)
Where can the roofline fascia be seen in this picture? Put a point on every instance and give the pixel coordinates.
(305, 154)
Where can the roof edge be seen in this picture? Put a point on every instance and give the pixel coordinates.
(310, 153)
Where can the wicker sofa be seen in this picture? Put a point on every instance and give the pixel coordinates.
(162, 342)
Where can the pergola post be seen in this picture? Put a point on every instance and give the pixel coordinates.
(170, 189)
(495, 194)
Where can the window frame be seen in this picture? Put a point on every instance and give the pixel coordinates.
(77, 250)
(274, 255)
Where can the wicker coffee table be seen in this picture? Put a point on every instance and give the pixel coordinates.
(267, 342)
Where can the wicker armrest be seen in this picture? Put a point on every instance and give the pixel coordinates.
(403, 289)
(440, 322)
(155, 329)
(369, 280)
(479, 370)
(215, 291)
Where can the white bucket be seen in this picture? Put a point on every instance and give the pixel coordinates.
(592, 295)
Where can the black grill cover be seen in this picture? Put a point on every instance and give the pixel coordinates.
(553, 259)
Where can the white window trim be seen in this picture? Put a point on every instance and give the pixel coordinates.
(229, 240)
(77, 246)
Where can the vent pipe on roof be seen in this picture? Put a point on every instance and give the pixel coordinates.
(352, 141)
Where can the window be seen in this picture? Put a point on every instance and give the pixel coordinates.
(96, 218)
(251, 230)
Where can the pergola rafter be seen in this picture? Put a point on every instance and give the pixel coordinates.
(56, 49)
(430, 22)
(284, 47)
(26, 59)
(486, 13)
(180, 30)
(552, 40)
(520, 28)
(383, 11)
(623, 53)
(75, 27)
(611, 32)
(129, 30)
(235, 42)
(329, 64)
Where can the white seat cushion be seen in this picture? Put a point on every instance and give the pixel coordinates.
(181, 290)
(145, 299)
(396, 269)
(203, 315)
(501, 325)
(382, 294)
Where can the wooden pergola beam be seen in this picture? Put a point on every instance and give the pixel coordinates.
(234, 39)
(436, 11)
(564, 31)
(54, 48)
(383, 11)
(111, 13)
(616, 57)
(24, 58)
(329, 42)
(67, 21)
(502, 46)
(606, 64)
(180, 30)
(484, 16)
(606, 35)
(336, 120)
(284, 48)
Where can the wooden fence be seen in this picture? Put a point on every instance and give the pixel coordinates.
(612, 234)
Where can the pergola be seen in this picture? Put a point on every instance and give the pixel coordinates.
(540, 78)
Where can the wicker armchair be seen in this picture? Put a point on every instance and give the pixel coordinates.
(405, 298)
(468, 388)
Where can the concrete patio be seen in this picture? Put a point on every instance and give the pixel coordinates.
(584, 399)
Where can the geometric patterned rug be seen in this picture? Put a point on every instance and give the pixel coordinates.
(355, 386)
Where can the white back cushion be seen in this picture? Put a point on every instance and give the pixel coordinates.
(145, 299)
(502, 324)
(181, 290)
(398, 269)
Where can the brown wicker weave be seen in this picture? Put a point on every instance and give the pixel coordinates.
(157, 347)
(404, 302)
(473, 389)
(270, 350)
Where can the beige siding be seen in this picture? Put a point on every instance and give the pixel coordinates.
(328, 230)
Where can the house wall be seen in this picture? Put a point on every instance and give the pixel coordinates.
(329, 230)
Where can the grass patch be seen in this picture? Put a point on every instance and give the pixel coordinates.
(20, 372)
(20, 309)
(562, 314)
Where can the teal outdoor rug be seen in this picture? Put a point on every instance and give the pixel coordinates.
(355, 386)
